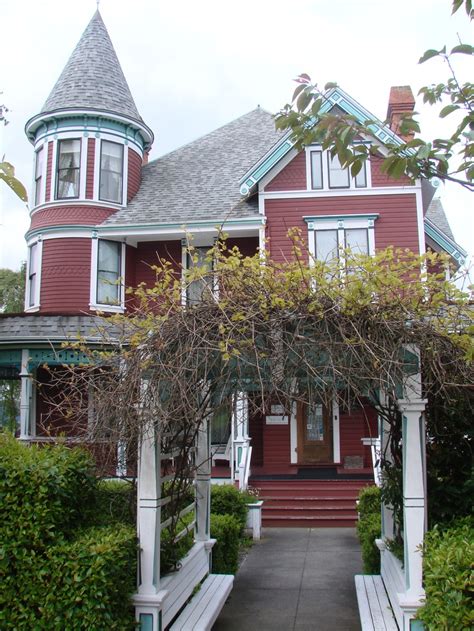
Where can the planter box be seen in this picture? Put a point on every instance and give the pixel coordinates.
(254, 519)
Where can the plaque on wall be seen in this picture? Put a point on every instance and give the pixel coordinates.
(277, 415)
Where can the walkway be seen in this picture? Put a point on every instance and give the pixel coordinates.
(298, 579)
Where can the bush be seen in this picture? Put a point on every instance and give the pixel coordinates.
(228, 500)
(448, 560)
(172, 551)
(115, 503)
(369, 527)
(225, 553)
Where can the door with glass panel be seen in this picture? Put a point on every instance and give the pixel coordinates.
(314, 433)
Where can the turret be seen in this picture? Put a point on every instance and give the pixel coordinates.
(90, 142)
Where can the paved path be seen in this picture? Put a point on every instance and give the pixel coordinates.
(298, 579)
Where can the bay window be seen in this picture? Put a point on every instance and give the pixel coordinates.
(111, 172)
(68, 169)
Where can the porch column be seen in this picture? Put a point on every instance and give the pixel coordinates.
(148, 600)
(240, 427)
(203, 483)
(414, 496)
(25, 397)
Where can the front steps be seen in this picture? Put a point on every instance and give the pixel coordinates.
(309, 503)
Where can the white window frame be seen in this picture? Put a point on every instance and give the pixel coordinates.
(82, 169)
(93, 304)
(325, 158)
(341, 223)
(39, 259)
(119, 144)
(42, 192)
(97, 155)
(184, 267)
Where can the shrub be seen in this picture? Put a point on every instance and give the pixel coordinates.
(448, 561)
(172, 551)
(369, 527)
(115, 503)
(225, 553)
(228, 500)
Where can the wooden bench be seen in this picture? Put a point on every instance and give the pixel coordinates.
(374, 607)
(202, 610)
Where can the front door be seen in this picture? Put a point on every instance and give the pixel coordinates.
(314, 433)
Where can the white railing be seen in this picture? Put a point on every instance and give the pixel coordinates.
(374, 444)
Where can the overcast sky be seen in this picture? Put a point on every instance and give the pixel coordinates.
(193, 66)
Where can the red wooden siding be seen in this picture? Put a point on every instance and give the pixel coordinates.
(50, 420)
(90, 168)
(292, 177)
(276, 446)
(397, 223)
(65, 275)
(382, 179)
(148, 254)
(49, 172)
(70, 215)
(134, 174)
(354, 425)
(248, 246)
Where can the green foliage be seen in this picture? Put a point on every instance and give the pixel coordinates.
(369, 527)
(12, 290)
(173, 550)
(225, 553)
(115, 503)
(56, 574)
(226, 499)
(392, 495)
(7, 174)
(450, 158)
(448, 563)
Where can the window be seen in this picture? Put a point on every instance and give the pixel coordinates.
(68, 169)
(111, 172)
(196, 288)
(38, 175)
(326, 244)
(327, 174)
(109, 263)
(32, 294)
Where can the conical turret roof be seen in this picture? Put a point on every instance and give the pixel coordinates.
(93, 78)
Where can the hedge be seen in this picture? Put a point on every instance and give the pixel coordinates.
(369, 527)
(228, 500)
(225, 553)
(56, 571)
(448, 570)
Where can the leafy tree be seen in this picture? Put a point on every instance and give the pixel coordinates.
(7, 170)
(12, 290)
(450, 158)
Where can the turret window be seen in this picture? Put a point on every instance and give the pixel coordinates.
(108, 273)
(68, 169)
(38, 175)
(111, 172)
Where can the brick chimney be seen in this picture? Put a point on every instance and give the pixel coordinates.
(401, 101)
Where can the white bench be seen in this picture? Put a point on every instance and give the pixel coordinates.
(202, 610)
(374, 607)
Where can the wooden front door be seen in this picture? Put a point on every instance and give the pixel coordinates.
(314, 433)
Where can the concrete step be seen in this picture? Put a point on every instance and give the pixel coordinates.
(337, 521)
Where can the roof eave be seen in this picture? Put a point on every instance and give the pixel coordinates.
(444, 242)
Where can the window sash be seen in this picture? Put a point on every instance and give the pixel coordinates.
(196, 288)
(316, 170)
(361, 177)
(111, 172)
(38, 174)
(338, 177)
(32, 274)
(68, 169)
(357, 240)
(109, 263)
(326, 245)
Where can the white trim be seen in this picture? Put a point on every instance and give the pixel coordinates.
(39, 262)
(54, 159)
(95, 190)
(279, 166)
(293, 435)
(420, 220)
(261, 239)
(184, 267)
(40, 146)
(325, 174)
(83, 169)
(340, 223)
(93, 304)
(125, 175)
(336, 434)
(353, 192)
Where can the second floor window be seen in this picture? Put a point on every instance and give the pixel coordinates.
(109, 262)
(196, 288)
(68, 169)
(38, 175)
(111, 172)
(327, 173)
(33, 275)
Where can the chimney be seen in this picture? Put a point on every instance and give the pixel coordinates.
(401, 101)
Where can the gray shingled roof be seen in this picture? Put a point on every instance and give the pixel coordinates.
(18, 329)
(436, 214)
(201, 180)
(93, 78)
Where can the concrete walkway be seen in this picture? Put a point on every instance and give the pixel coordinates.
(296, 579)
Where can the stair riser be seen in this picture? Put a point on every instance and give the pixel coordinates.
(324, 494)
(308, 523)
(310, 506)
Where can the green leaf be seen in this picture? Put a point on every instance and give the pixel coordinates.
(465, 49)
(330, 85)
(298, 91)
(304, 100)
(447, 110)
(429, 54)
(7, 174)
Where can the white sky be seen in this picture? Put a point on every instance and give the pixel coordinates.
(193, 66)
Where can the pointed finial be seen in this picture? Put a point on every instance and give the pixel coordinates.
(97, 2)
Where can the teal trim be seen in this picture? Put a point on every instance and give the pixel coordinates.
(61, 228)
(340, 217)
(417, 625)
(146, 622)
(451, 248)
(239, 455)
(56, 358)
(10, 358)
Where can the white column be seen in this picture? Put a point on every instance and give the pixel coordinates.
(336, 435)
(240, 422)
(414, 496)
(148, 600)
(25, 397)
(203, 483)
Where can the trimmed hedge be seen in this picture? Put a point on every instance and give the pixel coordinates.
(228, 500)
(369, 527)
(54, 573)
(225, 553)
(448, 570)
